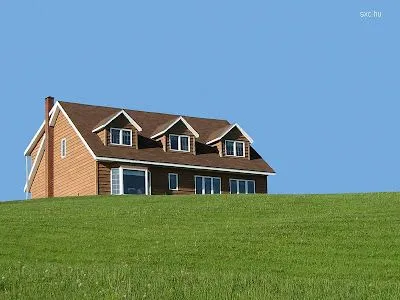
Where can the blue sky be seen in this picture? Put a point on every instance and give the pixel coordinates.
(312, 82)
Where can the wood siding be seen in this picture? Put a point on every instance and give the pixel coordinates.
(104, 177)
(74, 175)
(186, 183)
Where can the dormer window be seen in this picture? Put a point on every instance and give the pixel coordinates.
(179, 142)
(119, 136)
(234, 148)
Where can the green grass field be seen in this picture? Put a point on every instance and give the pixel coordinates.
(202, 247)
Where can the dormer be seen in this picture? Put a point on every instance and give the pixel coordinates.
(118, 130)
(177, 136)
(231, 141)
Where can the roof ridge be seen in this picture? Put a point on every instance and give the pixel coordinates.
(142, 111)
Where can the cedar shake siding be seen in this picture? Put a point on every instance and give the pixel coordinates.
(85, 169)
(186, 177)
(74, 175)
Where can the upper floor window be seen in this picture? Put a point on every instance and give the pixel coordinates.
(63, 148)
(121, 136)
(234, 148)
(179, 142)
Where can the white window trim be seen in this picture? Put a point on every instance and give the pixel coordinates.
(228, 130)
(179, 143)
(203, 189)
(123, 112)
(169, 181)
(121, 130)
(63, 146)
(121, 180)
(234, 148)
(237, 185)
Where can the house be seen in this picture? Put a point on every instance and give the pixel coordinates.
(93, 150)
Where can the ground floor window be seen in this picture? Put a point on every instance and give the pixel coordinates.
(173, 181)
(240, 186)
(207, 185)
(125, 181)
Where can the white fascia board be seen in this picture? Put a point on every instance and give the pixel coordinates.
(34, 140)
(76, 130)
(132, 121)
(188, 126)
(55, 112)
(229, 129)
(35, 165)
(111, 159)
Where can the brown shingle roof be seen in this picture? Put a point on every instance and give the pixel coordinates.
(218, 132)
(86, 117)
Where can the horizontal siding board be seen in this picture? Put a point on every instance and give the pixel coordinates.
(76, 173)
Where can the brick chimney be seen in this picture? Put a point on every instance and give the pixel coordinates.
(49, 150)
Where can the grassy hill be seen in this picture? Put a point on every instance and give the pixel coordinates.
(202, 247)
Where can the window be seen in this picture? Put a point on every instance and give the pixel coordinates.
(134, 182)
(207, 185)
(198, 185)
(179, 142)
(129, 181)
(115, 183)
(63, 148)
(120, 136)
(233, 186)
(251, 187)
(184, 143)
(240, 186)
(229, 148)
(115, 134)
(126, 137)
(234, 148)
(173, 181)
(239, 149)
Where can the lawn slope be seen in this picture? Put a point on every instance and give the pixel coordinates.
(202, 247)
